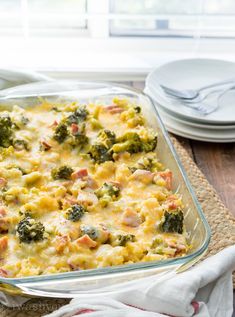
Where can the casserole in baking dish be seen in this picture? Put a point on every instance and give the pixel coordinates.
(89, 184)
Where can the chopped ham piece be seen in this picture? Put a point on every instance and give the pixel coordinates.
(74, 128)
(131, 218)
(3, 272)
(61, 243)
(117, 184)
(143, 176)
(3, 244)
(167, 176)
(79, 174)
(85, 240)
(3, 182)
(114, 109)
(4, 225)
(54, 124)
(46, 146)
(2, 212)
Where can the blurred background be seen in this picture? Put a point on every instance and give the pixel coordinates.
(112, 39)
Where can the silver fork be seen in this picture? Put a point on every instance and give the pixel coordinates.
(205, 108)
(191, 94)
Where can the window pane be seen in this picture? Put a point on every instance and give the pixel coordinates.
(56, 17)
(174, 17)
(10, 17)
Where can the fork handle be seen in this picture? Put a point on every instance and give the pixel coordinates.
(219, 83)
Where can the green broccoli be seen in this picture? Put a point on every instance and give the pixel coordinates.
(122, 239)
(91, 231)
(172, 221)
(29, 230)
(75, 212)
(146, 163)
(79, 115)
(79, 138)
(100, 154)
(20, 144)
(61, 133)
(63, 172)
(132, 143)
(101, 151)
(6, 131)
(129, 142)
(107, 137)
(150, 144)
(107, 193)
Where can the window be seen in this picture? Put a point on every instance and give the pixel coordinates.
(184, 18)
(112, 18)
(29, 18)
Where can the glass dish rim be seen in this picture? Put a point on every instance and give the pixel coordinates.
(126, 267)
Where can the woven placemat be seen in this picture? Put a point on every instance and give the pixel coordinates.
(221, 222)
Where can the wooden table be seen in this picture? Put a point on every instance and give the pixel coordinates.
(216, 161)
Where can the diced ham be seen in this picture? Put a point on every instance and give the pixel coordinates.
(130, 218)
(117, 184)
(3, 182)
(54, 124)
(3, 244)
(142, 176)
(81, 173)
(3, 272)
(114, 109)
(2, 212)
(167, 176)
(4, 225)
(74, 128)
(85, 240)
(61, 243)
(87, 198)
(46, 146)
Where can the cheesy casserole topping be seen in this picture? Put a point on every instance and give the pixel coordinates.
(81, 188)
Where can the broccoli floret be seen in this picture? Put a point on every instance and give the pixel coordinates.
(137, 109)
(79, 115)
(76, 212)
(150, 144)
(132, 143)
(20, 144)
(101, 151)
(29, 230)
(79, 138)
(107, 137)
(6, 131)
(91, 231)
(107, 193)
(63, 172)
(61, 133)
(123, 239)
(100, 154)
(172, 222)
(146, 163)
(129, 142)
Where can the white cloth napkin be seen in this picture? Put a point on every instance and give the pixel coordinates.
(205, 290)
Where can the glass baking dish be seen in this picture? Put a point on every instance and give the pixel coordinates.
(72, 284)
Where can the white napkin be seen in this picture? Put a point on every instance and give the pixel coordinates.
(204, 290)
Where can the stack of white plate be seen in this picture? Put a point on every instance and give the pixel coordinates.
(218, 126)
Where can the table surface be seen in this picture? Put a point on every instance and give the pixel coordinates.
(215, 160)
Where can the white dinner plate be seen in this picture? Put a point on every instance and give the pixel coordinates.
(193, 74)
(196, 133)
